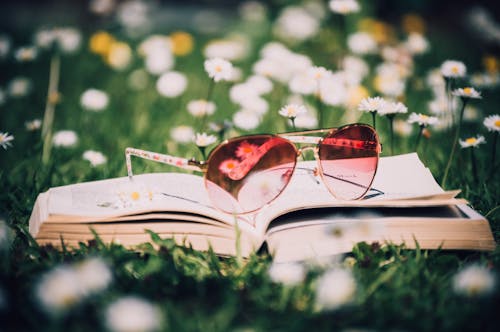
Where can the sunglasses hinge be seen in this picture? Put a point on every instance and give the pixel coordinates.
(201, 164)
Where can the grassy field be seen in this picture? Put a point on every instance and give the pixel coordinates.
(106, 287)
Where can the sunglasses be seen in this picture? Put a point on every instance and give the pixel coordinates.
(244, 174)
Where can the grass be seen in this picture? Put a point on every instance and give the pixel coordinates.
(398, 289)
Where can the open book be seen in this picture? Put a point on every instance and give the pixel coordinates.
(305, 221)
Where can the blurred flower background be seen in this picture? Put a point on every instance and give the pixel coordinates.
(82, 80)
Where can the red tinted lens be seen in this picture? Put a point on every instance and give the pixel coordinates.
(348, 160)
(246, 173)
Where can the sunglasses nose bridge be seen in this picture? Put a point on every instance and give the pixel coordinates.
(301, 150)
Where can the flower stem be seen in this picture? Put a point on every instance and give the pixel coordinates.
(494, 150)
(202, 150)
(50, 106)
(418, 137)
(374, 119)
(293, 123)
(211, 86)
(391, 128)
(319, 106)
(455, 141)
(474, 166)
(449, 102)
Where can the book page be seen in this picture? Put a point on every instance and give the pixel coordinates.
(146, 193)
(401, 180)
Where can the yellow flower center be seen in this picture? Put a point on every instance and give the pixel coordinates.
(135, 195)
(454, 70)
(467, 91)
(218, 69)
(100, 42)
(424, 117)
(182, 42)
(497, 123)
(247, 149)
(230, 165)
(471, 140)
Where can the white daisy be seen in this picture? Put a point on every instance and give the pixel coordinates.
(318, 73)
(26, 53)
(246, 120)
(473, 142)
(288, 274)
(155, 44)
(252, 11)
(59, 289)
(474, 280)
(355, 67)
(344, 6)
(255, 104)
(200, 107)
(402, 127)
(336, 288)
(371, 104)
(390, 79)
(422, 119)
(492, 122)
(417, 44)
(94, 100)
(93, 275)
(218, 69)
(95, 158)
(242, 91)
(159, 62)
(261, 85)
(68, 39)
(303, 83)
(307, 120)
(182, 134)
(19, 87)
(467, 93)
(362, 43)
(333, 90)
(203, 139)
(65, 138)
(453, 69)
(296, 24)
(291, 111)
(391, 107)
(131, 314)
(5, 140)
(5, 46)
(33, 125)
(228, 49)
(171, 84)
(102, 7)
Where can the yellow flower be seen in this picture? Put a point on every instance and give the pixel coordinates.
(355, 95)
(491, 64)
(119, 55)
(380, 31)
(413, 23)
(100, 42)
(182, 43)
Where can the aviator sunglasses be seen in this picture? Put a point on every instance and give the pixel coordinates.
(244, 174)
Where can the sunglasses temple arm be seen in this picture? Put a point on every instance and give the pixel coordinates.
(379, 192)
(358, 144)
(187, 164)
